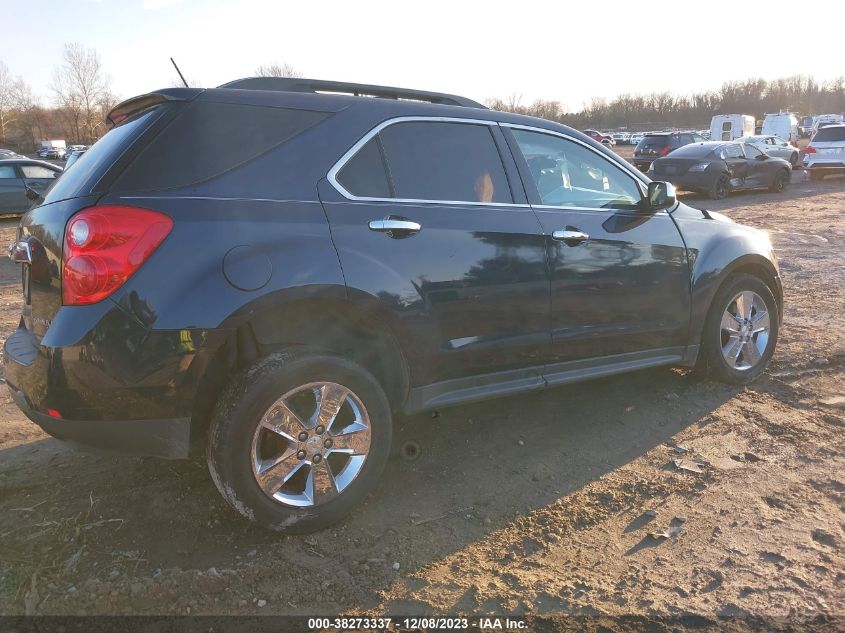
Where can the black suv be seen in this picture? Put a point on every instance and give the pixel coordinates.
(659, 144)
(278, 271)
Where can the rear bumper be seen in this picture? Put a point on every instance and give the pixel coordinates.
(106, 401)
(831, 165)
(169, 438)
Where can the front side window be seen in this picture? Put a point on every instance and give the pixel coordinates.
(37, 171)
(732, 151)
(568, 174)
(751, 151)
(7, 171)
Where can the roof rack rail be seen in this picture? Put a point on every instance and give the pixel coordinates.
(290, 84)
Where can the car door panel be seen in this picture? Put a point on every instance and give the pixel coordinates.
(12, 192)
(623, 289)
(467, 293)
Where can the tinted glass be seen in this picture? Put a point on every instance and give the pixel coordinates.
(208, 139)
(364, 175)
(100, 157)
(653, 142)
(444, 161)
(7, 171)
(751, 151)
(692, 151)
(571, 175)
(37, 171)
(830, 134)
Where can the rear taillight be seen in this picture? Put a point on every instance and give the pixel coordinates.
(104, 245)
(665, 150)
(810, 149)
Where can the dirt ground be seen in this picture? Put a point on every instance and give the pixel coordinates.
(537, 504)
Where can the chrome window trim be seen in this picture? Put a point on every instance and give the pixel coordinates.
(635, 174)
(347, 156)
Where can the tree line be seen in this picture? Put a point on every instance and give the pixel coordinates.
(801, 94)
(80, 97)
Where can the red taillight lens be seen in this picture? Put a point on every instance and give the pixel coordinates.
(104, 245)
(666, 149)
(810, 149)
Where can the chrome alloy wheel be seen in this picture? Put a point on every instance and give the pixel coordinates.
(745, 331)
(311, 444)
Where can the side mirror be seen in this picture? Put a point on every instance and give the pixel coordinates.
(32, 195)
(661, 195)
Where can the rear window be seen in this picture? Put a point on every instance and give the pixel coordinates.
(209, 139)
(692, 151)
(829, 135)
(654, 142)
(99, 158)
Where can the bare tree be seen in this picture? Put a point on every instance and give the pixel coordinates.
(8, 99)
(277, 70)
(81, 89)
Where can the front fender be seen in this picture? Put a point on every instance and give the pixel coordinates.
(716, 250)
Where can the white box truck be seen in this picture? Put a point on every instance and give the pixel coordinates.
(52, 144)
(727, 127)
(782, 124)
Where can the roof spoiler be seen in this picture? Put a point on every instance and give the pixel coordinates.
(130, 107)
(291, 84)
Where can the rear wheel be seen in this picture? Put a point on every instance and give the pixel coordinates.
(741, 330)
(720, 187)
(298, 439)
(780, 181)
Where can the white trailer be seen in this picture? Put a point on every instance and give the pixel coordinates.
(727, 127)
(53, 144)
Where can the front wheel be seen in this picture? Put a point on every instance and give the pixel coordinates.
(298, 440)
(741, 330)
(721, 187)
(779, 182)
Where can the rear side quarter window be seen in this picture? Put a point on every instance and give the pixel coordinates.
(429, 161)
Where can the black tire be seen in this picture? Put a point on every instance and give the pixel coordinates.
(711, 360)
(721, 187)
(238, 414)
(779, 182)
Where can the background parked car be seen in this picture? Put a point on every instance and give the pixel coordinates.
(74, 156)
(659, 144)
(717, 168)
(604, 139)
(775, 146)
(16, 175)
(621, 138)
(7, 153)
(51, 152)
(636, 138)
(825, 155)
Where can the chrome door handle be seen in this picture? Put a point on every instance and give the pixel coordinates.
(570, 237)
(398, 226)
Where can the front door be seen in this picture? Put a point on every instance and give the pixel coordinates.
(12, 194)
(431, 223)
(619, 275)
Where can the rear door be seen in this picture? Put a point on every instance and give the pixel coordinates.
(429, 218)
(619, 276)
(12, 194)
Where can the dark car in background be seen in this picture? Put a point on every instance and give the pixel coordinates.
(278, 299)
(658, 144)
(16, 174)
(717, 168)
(74, 156)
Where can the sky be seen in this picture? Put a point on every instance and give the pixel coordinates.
(554, 49)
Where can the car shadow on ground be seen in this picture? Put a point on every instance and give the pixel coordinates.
(482, 466)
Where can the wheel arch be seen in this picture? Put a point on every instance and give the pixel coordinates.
(327, 322)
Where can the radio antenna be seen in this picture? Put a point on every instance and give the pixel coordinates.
(181, 76)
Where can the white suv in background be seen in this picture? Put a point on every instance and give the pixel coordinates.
(825, 155)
